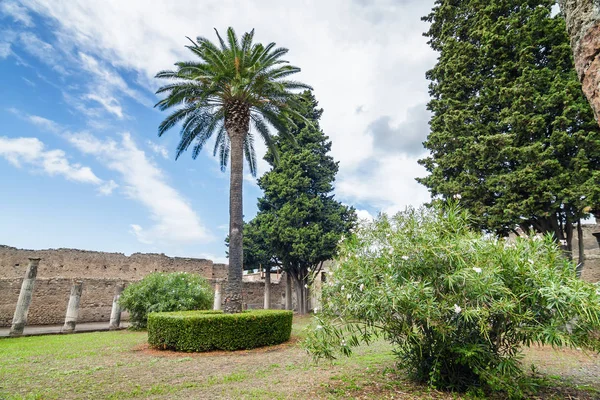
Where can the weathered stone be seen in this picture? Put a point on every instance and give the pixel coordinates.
(583, 26)
(73, 307)
(22, 309)
(115, 312)
(267, 302)
(217, 301)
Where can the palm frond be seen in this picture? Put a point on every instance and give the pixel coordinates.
(250, 153)
(229, 71)
(221, 41)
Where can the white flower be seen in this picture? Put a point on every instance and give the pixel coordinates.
(457, 309)
(343, 342)
(405, 258)
(319, 327)
(457, 196)
(343, 287)
(362, 286)
(306, 286)
(477, 269)
(348, 296)
(316, 310)
(530, 261)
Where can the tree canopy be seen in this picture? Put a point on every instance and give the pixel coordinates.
(511, 130)
(298, 216)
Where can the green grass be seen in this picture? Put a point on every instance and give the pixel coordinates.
(118, 365)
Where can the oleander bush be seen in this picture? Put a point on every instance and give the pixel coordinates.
(177, 291)
(458, 305)
(193, 331)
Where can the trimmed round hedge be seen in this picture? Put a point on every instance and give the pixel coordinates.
(193, 331)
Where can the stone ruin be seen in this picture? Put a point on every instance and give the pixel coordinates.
(82, 285)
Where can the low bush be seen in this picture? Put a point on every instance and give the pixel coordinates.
(177, 291)
(457, 304)
(212, 330)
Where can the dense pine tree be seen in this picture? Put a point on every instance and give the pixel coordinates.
(298, 217)
(511, 131)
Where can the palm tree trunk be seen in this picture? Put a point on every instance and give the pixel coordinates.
(583, 25)
(237, 128)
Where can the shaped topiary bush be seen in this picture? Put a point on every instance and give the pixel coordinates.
(177, 291)
(457, 304)
(212, 330)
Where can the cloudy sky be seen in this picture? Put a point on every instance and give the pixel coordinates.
(80, 160)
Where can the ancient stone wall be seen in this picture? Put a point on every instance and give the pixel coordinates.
(70, 263)
(100, 272)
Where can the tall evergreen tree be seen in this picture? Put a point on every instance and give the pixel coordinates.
(298, 216)
(511, 130)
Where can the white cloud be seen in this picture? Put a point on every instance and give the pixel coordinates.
(175, 221)
(107, 81)
(17, 12)
(108, 187)
(7, 37)
(158, 149)
(373, 58)
(364, 215)
(386, 185)
(111, 104)
(32, 152)
(4, 50)
(43, 51)
(27, 81)
(41, 122)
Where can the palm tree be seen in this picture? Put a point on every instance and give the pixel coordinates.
(231, 86)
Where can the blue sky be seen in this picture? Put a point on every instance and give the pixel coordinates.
(80, 160)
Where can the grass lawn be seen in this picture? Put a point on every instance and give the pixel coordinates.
(119, 365)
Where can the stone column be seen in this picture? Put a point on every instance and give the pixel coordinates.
(73, 307)
(20, 317)
(217, 302)
(115, 312)
(288, 292)
(267, 302)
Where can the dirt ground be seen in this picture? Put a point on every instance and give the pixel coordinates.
(119, 365)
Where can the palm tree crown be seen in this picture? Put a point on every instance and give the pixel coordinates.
(233, 83)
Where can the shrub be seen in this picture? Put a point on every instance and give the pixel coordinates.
(458, 305)
(212, 330)
(178, 291)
